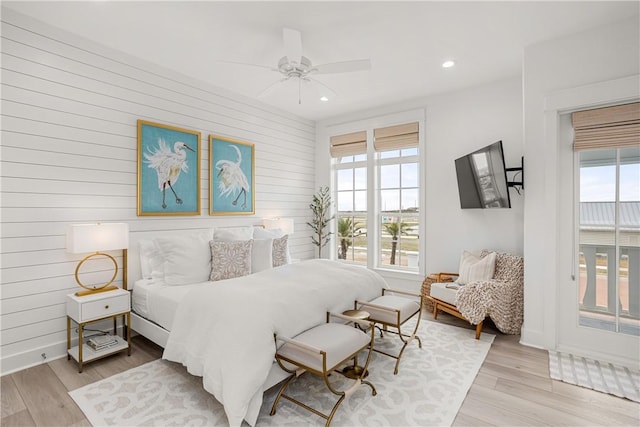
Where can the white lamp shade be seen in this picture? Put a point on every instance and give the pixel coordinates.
(83, 238)
(284, 224)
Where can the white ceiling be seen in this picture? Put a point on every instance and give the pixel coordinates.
(406, 41)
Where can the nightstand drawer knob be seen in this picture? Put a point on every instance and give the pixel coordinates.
(106, 307)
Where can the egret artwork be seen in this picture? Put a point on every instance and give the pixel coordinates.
(231, 177)
(168, 170)
(168, 166)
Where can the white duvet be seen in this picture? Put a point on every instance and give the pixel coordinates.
(224, 332)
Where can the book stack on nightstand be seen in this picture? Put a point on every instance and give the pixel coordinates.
(92, 308)
(102, 342)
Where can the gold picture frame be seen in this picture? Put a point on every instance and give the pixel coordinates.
(168, 170)
(231, 176)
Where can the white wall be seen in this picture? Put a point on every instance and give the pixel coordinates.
(69, 111)
(599, 55)
(456, 124)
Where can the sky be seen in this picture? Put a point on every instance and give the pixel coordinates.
(598, 183)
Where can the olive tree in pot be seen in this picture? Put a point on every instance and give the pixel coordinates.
(320, 208)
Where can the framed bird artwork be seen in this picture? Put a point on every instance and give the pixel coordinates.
(168, 170)
(231, 180)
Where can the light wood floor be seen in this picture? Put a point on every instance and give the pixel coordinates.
(512, 389)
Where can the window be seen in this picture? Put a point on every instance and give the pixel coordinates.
(399, 197)
(351, 195)
(609, 225)
(392, 168)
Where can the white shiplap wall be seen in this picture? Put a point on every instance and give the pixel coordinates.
(68, 155)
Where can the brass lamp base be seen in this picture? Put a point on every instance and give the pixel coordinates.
(95, 291)
(354, 372)
(102, 288)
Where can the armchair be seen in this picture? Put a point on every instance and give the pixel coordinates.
(501, 298)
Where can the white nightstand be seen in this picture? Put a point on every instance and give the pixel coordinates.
(91, 308)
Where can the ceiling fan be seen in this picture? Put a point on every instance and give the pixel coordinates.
(298, 68)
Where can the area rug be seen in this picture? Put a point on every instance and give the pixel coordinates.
(601, 376)
(429, 389)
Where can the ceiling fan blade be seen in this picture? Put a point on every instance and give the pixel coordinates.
(343, 67)
(292, 45)
(271, 88)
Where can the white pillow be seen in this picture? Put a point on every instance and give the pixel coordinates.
(151, 260)
(473, 268)
(275, 233)
(230, 259)
(228, 234)
(187, 258)
(261, 255)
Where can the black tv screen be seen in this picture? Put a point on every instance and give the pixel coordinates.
(482, 179)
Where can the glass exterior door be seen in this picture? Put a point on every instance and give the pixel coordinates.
(609, 240)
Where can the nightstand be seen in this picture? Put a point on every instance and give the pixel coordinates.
(92, 308)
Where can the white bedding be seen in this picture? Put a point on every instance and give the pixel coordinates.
(157, 301)
(224, 331)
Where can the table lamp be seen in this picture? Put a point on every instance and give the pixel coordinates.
(95, 238)
(284, 224)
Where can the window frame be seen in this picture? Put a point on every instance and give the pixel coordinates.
(373, 184)
(399, 160)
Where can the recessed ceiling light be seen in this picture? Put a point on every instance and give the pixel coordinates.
(324, 99)
(448, 64)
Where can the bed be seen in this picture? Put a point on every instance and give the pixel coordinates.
(223, 330)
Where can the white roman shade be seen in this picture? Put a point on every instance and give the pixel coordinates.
(349, 144)
(609, 127)
(396, 137)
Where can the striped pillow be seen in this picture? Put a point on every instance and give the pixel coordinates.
(474, 268)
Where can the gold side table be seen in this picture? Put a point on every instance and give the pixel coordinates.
(92, 308)
(355, 371)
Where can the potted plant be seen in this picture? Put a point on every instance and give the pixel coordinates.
(320, 208)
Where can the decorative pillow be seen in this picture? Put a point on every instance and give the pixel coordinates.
(228, 234)
(151, 259)
(187, 258)
(261, 255)
(474, 268)
(280, 251)
(230, 259)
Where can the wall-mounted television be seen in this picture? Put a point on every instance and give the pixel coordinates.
(482, 179)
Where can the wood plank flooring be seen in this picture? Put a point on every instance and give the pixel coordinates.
(513, 388)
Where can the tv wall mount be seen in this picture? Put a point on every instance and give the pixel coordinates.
(517, 185)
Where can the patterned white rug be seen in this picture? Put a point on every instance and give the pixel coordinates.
(601, 376)
(429, 389)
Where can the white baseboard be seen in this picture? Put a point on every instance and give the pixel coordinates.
(20, 361)
(34, 357)
(531, 338)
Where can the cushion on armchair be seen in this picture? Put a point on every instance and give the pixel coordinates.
(443, 293)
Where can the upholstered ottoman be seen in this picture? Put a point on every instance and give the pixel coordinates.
(320, 350)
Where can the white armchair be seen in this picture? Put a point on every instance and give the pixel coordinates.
(501, 298)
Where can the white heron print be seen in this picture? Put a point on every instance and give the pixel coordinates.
(168, 166)
(233, 181)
